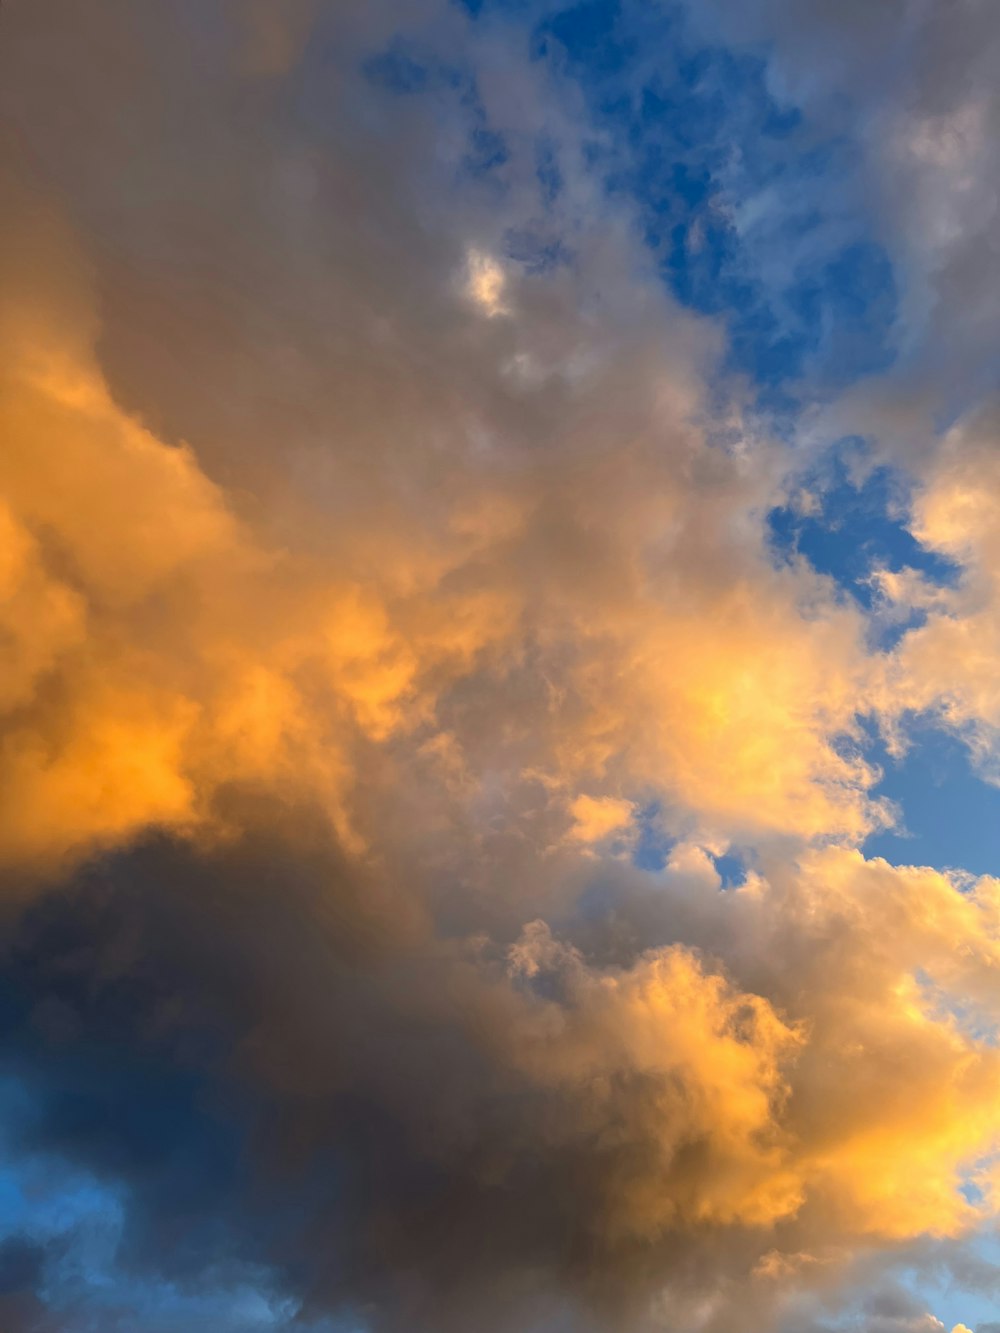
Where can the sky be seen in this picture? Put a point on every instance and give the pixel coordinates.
(499, 642)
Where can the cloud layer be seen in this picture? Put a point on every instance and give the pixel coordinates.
(393, 643)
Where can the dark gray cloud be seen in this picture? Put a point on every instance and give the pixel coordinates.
(430, 1132)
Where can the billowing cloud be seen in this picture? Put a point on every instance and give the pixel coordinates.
(568, 518)
(709, 1104)
(384, 570)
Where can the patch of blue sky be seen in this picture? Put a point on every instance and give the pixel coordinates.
(854, 523)
(653, 846)
(857, 524)
(753, 216)
(130, 1118)
(148, 1305)
(951, 817)
(960, 1282)
(77, 1223)
(979, 1023)
(47, 1198)
(732, 868)
(755, 219)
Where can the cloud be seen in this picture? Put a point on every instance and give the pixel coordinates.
(309, 555)
(595, 818)
(943, 667)
(613, 1123)
(346, 630)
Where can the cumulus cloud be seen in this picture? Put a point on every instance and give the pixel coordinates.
(708, 1105)
(944, 667)
(382, 552)
(473, 534)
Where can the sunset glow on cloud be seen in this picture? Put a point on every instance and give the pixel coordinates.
(499, 667)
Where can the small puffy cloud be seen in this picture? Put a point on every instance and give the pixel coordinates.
(945, 665)
(597, 817)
